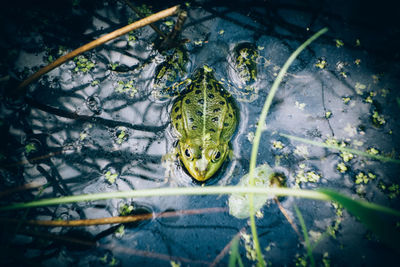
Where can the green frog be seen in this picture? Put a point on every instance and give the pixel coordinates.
(205, 117)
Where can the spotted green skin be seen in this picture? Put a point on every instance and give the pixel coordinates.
(205, 118)
(169, 71)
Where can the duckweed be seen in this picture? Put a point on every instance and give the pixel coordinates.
(368, 99)
(372, 151)
(95, 82)
(321, 63)
(392, 191)
(111, 177)
(341, 167)
(120, 231)
(300, 261)
(30, 148)
(328, 114)
(359, 87)
(113, 66)
(384, 92)
(82, 64)
(249, 246)
(277, 144)
(378, 120)
(339, 43)
(346, 156)
(169, 23)
(325, 260)
(375, 78)
(126, 87)
(125, 210)
(82, 136)
(305, 177)
(145, 10)
(346, 100)
(361, 177)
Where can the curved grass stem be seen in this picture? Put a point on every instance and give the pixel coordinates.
(260, 128)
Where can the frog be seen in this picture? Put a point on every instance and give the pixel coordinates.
(205, 115)
(244, 59)
(169, 71)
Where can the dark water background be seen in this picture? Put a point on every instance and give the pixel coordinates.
(74, 117)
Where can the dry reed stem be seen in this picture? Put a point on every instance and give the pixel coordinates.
(112, 220)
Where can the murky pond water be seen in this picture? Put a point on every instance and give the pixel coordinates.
(95, 125)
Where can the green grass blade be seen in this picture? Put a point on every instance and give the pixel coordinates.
(349, 150)
(371, 215)
(305, 234)
(164, 192)
(235, 256)
(187, 191)
(260, 127)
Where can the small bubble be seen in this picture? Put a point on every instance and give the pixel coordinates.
(94, 104)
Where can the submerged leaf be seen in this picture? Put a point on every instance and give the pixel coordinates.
(239, 203)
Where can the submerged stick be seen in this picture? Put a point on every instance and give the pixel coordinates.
(133, 26)
(113, 220)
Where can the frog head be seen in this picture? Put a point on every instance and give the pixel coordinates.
(202, 161)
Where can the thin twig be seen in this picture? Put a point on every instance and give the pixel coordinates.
(225, 250)
(24, 187)
(288, 218)
(113, 220)
(112, 247)
(108, 37)
(171, 40)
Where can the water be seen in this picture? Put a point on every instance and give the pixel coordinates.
(86, 128)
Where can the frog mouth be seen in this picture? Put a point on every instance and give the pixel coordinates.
(204, 176)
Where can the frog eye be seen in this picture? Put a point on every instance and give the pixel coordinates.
(188, 153)
(216, 156)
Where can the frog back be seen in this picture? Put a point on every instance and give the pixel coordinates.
(205, 110)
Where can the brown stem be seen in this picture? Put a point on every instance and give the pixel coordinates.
(171, 40)
(288, 218)
(225, 251)
(112, 247)
(113, 220)
(138, 24)
(24, 187)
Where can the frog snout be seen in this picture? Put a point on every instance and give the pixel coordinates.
(201, 168)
